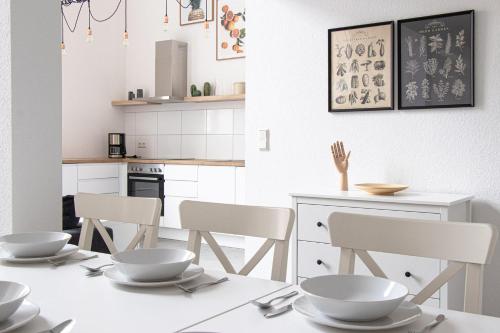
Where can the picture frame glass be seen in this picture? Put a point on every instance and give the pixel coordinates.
(361, 68)
(436, 61)
(193, 12)
(231, 29)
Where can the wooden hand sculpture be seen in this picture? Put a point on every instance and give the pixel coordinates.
(341, 161)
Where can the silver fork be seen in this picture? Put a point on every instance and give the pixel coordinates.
(439, 319)
(62, 262)
(201, 285)
(268, 304)
(95, 269)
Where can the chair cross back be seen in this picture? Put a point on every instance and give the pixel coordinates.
(275, 224)
(464, 245)
(144, 212)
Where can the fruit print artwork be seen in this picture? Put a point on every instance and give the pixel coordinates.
(361, 68)
(436, 61)
(231, 31)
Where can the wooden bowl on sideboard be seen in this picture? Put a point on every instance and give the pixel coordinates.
(381, 189)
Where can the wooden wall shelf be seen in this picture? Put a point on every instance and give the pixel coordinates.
(188, 99)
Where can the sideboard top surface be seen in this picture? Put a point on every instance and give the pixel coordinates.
(416, 198)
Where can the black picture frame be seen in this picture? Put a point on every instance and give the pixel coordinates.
(390, 75)
(429, 26)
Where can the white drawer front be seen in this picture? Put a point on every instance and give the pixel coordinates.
(99, 186)
(179, 188)
(313, 219)
(422, 270)
(310, 253)
(181, 172)
(93, 171)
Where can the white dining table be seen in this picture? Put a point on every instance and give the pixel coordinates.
(248, 318)
(98, 305)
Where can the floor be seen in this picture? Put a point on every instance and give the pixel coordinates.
(208, 260)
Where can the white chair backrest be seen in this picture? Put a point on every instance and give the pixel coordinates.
(145, 212)
(274, 224)
(468, 245)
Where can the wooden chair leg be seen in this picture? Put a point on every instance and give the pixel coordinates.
(85, 241)
(194, 244)
(346, 265)
(473, 298)
(280, 261)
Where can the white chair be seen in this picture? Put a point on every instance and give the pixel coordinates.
(275, 224)
(468, 245)
(145, 212)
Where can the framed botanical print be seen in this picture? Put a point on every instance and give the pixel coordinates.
(436, 61)
(195, 11)
(361, 67)
(231, 31)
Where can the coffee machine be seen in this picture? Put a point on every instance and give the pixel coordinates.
(116, 145)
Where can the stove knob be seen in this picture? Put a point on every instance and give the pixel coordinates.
(151, 169)
(140, 169)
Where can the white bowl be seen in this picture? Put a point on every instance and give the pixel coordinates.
(34, 244)
(354, 297)
(12, 295)
(152, 264)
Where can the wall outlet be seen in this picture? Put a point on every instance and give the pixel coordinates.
(141, 145)
(263, 139)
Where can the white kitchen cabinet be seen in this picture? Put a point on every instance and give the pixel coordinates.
(313, 255)
(98, 171)
(217, 184)
(69, 179)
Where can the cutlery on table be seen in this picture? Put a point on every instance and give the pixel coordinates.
(278, 311)
(64, 327)
(201, 285)
(439, 319)
(95, 270)
(64, 261)
(268, 304)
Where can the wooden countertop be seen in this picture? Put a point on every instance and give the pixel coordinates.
(236, 163)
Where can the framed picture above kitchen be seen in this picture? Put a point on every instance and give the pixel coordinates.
(231, 30)
(195, 11)
(361, 67)
(436, 61)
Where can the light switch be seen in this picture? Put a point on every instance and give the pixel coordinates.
(263, 140)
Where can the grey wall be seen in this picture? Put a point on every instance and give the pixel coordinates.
(34, 115)
(449, 150)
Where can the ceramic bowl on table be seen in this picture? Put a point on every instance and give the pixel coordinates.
(354, 297)
(152, 264)
(12, 295)
(34, 244)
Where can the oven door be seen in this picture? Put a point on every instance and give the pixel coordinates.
(146, 186)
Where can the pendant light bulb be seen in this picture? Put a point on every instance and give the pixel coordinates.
(90, 36)
(63, 48)
(165, 23)
(206, 28)
(125, 39)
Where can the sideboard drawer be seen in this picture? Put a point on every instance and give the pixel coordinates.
(313, 219)
(321, 259)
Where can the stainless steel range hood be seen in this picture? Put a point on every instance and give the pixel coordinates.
(170, 72)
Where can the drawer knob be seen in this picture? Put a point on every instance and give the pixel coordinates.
(319, 224)
(407, 274)
(319, 262)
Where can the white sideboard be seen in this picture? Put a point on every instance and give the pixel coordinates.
(312, 254)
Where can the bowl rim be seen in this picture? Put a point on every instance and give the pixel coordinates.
(382, 186)
(24, 293)
(191, 257)
(308, 293)
(67, 237)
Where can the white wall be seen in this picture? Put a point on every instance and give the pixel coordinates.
(31, 117)
(5, 120)
(146, 27)
(92, 75)
(449, 150)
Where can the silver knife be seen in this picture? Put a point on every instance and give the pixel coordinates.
(64, 327)
(279, 311)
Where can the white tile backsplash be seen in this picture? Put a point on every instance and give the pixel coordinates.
(170, 122)
(194, 146)
(169, 146)
(146, 123)
(238, 147)
(219, 147)
(194, 122)
(239, 121)
(220, 121)
(212, 134)
(145, 146)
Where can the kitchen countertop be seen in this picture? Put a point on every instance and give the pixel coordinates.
(235, 163)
